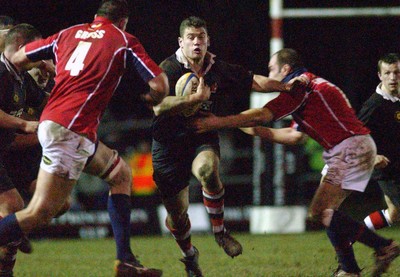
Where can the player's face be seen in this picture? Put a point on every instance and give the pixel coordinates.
(274, 68)
(390, 77)
(194, 43)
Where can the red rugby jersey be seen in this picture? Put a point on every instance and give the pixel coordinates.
(324, 112)
(90, 61)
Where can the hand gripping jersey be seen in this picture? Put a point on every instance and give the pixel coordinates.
(323, 112)
(90, 61)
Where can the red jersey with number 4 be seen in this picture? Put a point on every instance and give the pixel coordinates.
(90, 61)
(323, 112)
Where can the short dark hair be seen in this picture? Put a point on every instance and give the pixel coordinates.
(114, 9)
(389, 58)
(6, 20)
(289, 56)
(192, 21)
(22, 33)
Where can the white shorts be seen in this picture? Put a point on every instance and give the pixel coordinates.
(64, 152)
(350, 163)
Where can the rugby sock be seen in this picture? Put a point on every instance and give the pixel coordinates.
(378, 220)
(344, 251)
(10, 230)
(352, 230)
(119, 210)
(214, 203)
(182, 236)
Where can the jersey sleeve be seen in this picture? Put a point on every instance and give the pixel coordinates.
(284, 105)
(138, 59)
(42, 49)
(367, 111)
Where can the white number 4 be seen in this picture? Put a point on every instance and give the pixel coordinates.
(75, 63)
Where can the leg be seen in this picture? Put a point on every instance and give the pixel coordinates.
(205, 168)
(107, 165)
(324, 205)
(10, 202)
(178, 223)
(383, 218)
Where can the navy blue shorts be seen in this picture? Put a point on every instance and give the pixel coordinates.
(172, 163)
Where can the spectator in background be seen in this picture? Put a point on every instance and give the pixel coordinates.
(381, 114)
(324, 113)
(90, 61)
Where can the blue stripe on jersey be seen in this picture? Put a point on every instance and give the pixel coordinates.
(140, 66)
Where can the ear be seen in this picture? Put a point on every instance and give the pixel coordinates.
(180, 42)
(208, 41)
(379, 76)
(286, 69)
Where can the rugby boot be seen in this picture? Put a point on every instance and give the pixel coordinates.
(230, 245)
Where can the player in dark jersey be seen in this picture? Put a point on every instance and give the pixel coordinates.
(90, 61)
(381, 114)
(18, 91)
(178, 152)
(323, 113)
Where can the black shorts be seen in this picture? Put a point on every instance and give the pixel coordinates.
(172, 162)
(391, 188)
(5, 181)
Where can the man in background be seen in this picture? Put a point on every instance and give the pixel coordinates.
(381, 114)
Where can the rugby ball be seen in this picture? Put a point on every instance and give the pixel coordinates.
(186, 85)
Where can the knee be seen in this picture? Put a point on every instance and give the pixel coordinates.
(207, 174)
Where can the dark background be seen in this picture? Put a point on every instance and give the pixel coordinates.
(343, 50)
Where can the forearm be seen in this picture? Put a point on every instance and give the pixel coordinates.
(175, 104)
(23, 141)
(11, 122)
(265, 84)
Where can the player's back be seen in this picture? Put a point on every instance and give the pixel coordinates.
(328, 115)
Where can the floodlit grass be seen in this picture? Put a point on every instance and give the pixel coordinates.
(307, 254)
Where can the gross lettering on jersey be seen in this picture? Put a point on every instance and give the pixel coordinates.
(85, 34)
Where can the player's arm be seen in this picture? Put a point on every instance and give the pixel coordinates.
(288, 136)
(381, 161)
(248, 118)
(23, 63)
(159, 88)
(11, 122)
(176, 104)
(265, 84)
(23, 141)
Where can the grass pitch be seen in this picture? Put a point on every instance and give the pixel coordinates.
(307, 254)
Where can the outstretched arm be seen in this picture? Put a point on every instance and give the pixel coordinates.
(288, 136)
(11, 122)
(265, 84)
(248, 118)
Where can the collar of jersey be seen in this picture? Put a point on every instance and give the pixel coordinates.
(386, 95)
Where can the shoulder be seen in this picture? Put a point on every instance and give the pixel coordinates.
(172, 67)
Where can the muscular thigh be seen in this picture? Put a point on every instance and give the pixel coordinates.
(327, 196)
(101, 160)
